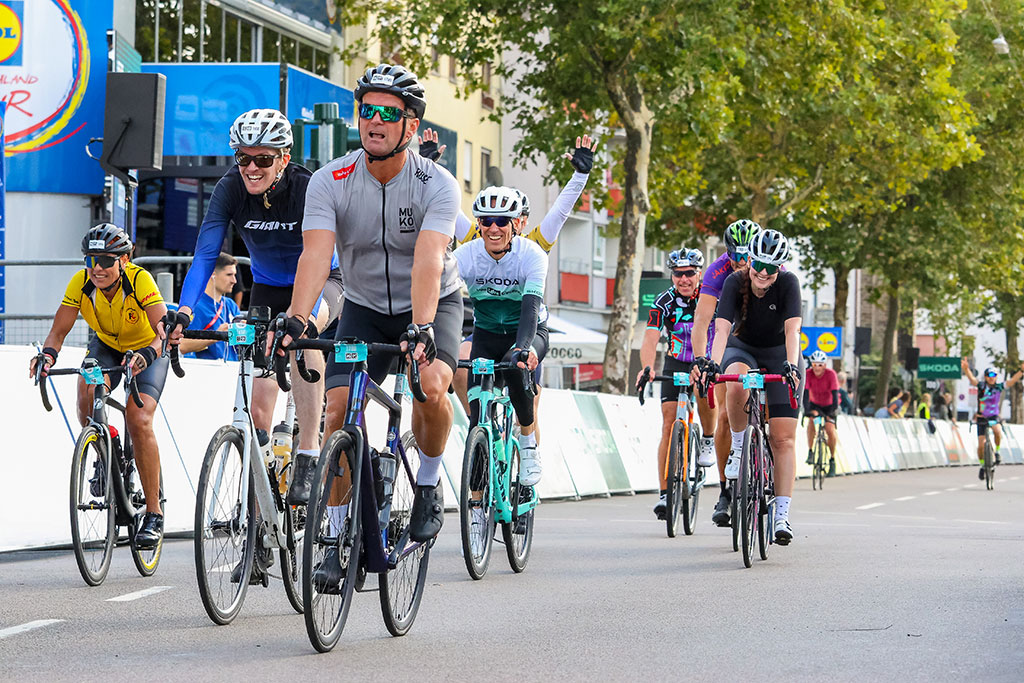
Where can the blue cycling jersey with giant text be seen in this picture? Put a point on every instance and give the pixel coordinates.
(273, 236)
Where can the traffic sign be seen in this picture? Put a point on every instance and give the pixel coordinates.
(938, 367)
(826, 339)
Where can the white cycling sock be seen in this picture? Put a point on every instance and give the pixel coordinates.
(737, 441)
(312, 452)
(782, 507)
(429, 473)
(528, 440)
(336, 517)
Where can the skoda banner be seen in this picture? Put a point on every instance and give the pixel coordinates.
(938, 367)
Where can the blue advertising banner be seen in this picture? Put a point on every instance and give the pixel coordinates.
(3, 223)
(827, 339)
(203, 100)
(305, 89)
(53, 72)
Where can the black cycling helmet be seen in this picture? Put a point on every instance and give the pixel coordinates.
(739, 234)
(393, 79)
(106, 238)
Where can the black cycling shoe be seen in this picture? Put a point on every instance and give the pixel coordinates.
(302, 479)
(810, 457)
(150, 531)
(264, 558)
(660, 507)
(427, 513)
(981, 473)
(327, 574)
(831, 468)
(999, 461)
(98, 482)
(721, 514)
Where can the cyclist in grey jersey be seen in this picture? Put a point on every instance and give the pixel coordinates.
(391, 215)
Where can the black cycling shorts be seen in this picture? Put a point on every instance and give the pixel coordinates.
(496, 346)
(829, 412)
(369, 326)
(538, 372)
(278, 299)
(770, 358)
(669, 391)
(150, 382)
(982, 423)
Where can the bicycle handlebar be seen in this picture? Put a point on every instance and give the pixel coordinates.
(767, 378)
(132, 385)
(647, 378)
(505, 366)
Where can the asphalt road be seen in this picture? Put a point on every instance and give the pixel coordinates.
(902, 576)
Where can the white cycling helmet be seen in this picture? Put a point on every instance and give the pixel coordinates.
(498, 200)
(261, 128)
(685, 257)
(818, 356)
(770, 246)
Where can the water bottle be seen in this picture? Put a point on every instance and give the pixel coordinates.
(388, 465)
(281, 445)
(264, 440)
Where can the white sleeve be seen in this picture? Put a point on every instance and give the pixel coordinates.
(443, 205)
(462, 227)
(535, 269)
(559, 213)
(319, 213)
(464, 258)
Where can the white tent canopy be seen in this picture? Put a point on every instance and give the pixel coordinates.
(571, 344)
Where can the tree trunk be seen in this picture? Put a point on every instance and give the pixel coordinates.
(842, 293)
(1010, 320)
(638, 121)
(759, 206)
(888, 347)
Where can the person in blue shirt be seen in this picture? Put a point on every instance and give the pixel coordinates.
(214, 311)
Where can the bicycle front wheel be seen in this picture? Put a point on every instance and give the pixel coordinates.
(291, 557)
(93, 528)
(693, 480)
(749, 498)
(818, 477)
(401, 588)
(145, 559)
(674, 477)
(518, 534)
(990, 464)
(225, 527)
(330, 548)
(476, 509)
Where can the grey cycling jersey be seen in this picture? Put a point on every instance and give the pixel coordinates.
(376, 225)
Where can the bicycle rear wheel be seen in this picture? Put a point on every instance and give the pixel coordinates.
(693, 480)
(93, 506)
(674, 494)
(225, 527)
(749, 498)
(818, 476)
(325, 604)
(145, 559)
(518, 534)
(766, 494)
(291, 557)
(734, 511)
(990, 464)
(401, 588)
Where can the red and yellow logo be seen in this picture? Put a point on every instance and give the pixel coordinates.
(132, 316)
(10, 32)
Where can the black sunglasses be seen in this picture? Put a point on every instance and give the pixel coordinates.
(102, 260)
(765, 268)
(387, 114)
(684, 273)
(500, 221)
(261, 160)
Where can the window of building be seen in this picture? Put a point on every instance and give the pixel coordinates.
(322, 63)
(213, 34)
(271, 45)
(305, 60)
(485, 76)
(485, 164)
(289, 50)
(453, 70)
(467, 165)
(435, 61)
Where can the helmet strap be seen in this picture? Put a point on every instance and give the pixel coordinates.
(397, 150)
(266, 200)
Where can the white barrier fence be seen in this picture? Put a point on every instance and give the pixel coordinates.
(592, 445)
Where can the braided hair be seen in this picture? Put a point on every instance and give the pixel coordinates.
(747, 288)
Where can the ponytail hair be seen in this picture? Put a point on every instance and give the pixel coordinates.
(745, 288)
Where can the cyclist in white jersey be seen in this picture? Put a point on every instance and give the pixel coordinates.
(505, 276)
(391, 215)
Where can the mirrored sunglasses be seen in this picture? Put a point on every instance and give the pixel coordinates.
(261, 160)
(737, 257)
(500, 221)
(684, 273)
(102, 260)
(387, 114)
(766, 268)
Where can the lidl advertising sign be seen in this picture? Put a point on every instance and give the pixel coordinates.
(827, 339)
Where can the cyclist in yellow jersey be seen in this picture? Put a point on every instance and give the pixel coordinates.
(121, 303)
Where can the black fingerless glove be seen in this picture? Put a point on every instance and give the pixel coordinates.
(583, 159)
(175, 318)
(148, 354)
(293, 327)
(424, 335)
(51, 352)
(430, 150)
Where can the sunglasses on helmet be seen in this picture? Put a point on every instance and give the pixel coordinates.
(500, 221)
(684, 273)
(766, 268)
(387, 114)
(261, 160)
(102, 260)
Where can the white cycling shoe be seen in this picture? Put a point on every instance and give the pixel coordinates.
(732, 466)
(706, 453)
(529, 466)
(783, 531)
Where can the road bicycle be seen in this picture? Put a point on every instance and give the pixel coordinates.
(361, 500)
(491, 493)
(241, 515)
(989, 466)
(754, 493)
(684, 476)
(819, 453)
(106, 491)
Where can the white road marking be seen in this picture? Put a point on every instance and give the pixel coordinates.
(953, 488)
(970, 486)
(904, 517)
(979, 521)
(30, 626)
(903, 498)
(1014, 478)
(140, 594)
(801, 523)
(870, 505)
(918, 526)
(932, 493)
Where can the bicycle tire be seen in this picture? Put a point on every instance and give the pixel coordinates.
(476, 476)
(990, 464)
(146, 559)
(819, 460)
(518, 534)
(326, 612)
(401, 588)
(674, 481)
(92, 506)
(766, 494)
(734, 519)
(693, 482)
(749, 499)
(291, 557)
(222, 541)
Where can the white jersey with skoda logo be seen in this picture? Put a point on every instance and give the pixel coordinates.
(497, 287)
(376, 225)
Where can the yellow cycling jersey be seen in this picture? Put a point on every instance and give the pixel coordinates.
(534, 236)
(122, 323)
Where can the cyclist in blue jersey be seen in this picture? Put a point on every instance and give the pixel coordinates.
(264, 197)
(990, 397)
(673, 311)
(214, 311)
